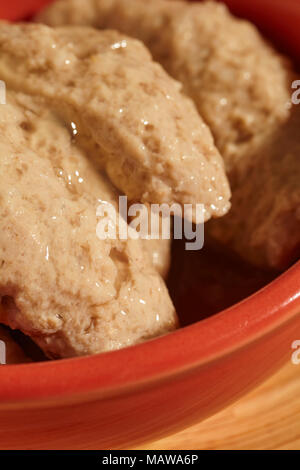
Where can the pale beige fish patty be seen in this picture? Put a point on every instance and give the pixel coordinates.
(266, 189)
(146, 134)
(71, 292)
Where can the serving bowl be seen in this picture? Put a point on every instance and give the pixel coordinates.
(128, 397)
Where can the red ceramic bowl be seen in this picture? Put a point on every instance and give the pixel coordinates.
(127, 397)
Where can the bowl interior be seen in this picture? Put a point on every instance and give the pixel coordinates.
(240, 323)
